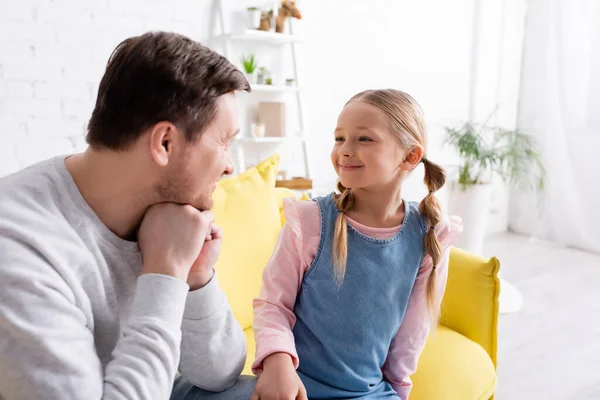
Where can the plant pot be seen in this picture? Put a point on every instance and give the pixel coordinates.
(251, 78)
(471, 203)
(252, 19)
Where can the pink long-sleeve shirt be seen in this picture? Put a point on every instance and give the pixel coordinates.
(294, 253)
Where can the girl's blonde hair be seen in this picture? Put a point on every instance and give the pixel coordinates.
(406, 121)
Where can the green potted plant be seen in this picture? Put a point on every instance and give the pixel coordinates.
(290, 82)
(249, 64)
(486, 152)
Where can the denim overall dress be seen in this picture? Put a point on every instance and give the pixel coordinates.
(343, 333)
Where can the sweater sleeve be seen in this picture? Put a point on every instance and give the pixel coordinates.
(47, 346)
(213, 349)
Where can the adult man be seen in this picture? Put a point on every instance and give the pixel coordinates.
(106, 257)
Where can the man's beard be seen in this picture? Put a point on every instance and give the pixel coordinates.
(176, 188)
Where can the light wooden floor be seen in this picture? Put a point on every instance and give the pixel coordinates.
(550, 349)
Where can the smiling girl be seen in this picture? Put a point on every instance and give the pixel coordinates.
(356, 280)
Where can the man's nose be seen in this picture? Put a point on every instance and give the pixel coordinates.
(229, 168)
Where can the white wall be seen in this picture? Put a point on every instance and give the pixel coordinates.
(52, 55)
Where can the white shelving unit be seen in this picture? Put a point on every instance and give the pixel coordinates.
(225, 39)
(274, 89)
(245, 139)
(261, 36)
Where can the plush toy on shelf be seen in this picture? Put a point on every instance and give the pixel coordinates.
(265, 20)
(288, 9)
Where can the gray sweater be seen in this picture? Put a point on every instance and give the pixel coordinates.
(77, 321)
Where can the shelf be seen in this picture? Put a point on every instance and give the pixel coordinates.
(273, 88)
(295, 184)
(247, 139)
(261, 36)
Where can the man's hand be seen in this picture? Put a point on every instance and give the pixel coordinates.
(202, 270)
(171, 238)
(279, 380)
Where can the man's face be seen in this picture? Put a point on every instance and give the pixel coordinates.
(191, 178)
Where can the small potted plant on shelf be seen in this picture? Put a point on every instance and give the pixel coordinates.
(249, 64)
(269, 80)
(484, 151)
(253, 15)
(290, 82)
(262, 74)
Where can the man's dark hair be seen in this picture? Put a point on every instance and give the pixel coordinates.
(156, 77)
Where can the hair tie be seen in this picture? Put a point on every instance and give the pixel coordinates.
(423, 160)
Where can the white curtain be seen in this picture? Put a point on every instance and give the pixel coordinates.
(560, 103)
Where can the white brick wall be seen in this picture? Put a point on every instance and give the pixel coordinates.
(52, 56)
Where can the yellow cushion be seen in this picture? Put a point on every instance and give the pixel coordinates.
(246, 208)
(453, 367)
(470, 303)
(282, 193)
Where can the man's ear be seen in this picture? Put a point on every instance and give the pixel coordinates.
(412, 158)
(162, 139)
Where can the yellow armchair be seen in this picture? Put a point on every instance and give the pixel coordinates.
(459, 359)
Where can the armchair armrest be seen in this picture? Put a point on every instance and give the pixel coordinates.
(470, 303)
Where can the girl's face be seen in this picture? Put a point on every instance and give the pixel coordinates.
(367, 153)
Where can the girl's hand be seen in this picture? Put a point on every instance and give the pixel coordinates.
(279, 380)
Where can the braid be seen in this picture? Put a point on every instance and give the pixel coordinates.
(435, 177)
(343, 202)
